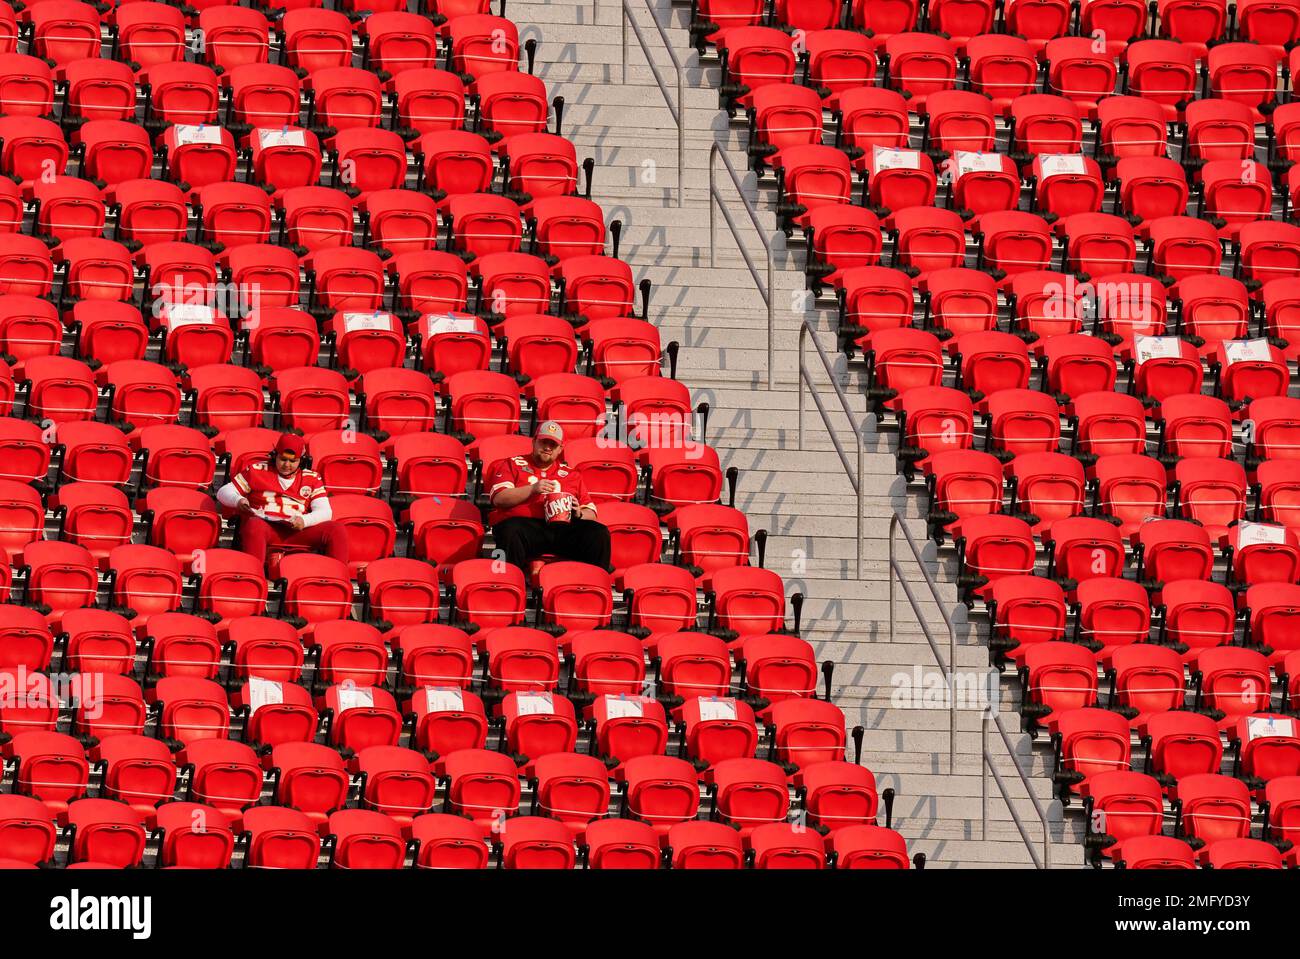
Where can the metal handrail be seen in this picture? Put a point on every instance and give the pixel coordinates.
(677, 111)
(855, 476)
(767, 292)
(986, 767)
(896, 522)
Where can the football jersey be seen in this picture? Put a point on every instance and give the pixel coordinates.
(260, 484)
(521, 471)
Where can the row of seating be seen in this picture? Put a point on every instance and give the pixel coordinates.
(102, 834)
(1038, 21)
(226, 36)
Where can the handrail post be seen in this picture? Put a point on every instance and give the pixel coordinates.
(799, 379)
(681, 122)
(713, 216)
(893, 521)
(771, 323)
(984, 773)
(862, 486)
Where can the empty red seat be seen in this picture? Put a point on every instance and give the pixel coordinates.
(521, 658)
(869, 847)
(107, 832)
(398, 42)
(1272, 609)
(811, 177)
(1024, 610)
(1195, 426)
(481, 785)
(1165, 366)
(991, 547)
(781, 845)
(921, 64)
(1155, 852)
(226, 775)
(1213, 808)
(1126, 805)
(365, 839)
(361, 716)
(1078, 71)
(281, 838)
(316, 588)
(963, 484)
(1012, 241)
(450, 842)
(399, 401)
(1183, 246)
(1114, 613)
(234, 36)
(1243, 854)
(316, 39)
(265, 96)
(1004, 66)
(1092, 741)
(1173, 550)
(348, 462)
(1182, 744)
(1197, 614)
(1060, 677)
(1148, 680)
(1280, 796)
(192, 708)
(1043, 123)
(874, 298)
(194, 835)
(265, 648)
(1130, 488)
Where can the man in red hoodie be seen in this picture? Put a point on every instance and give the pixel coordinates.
(282, 504)
(541, 505)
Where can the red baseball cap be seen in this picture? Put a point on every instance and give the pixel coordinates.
(290, 443)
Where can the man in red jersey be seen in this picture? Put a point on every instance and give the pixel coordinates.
(282, 504)
(541, 505)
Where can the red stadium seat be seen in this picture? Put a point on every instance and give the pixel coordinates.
(1058, 677)
(1173, 550)
(281, 838)
(1130, 488)
(1091, 742)
(1181, 745)
(1024, 610)
(1122, 805)
(1114, 613)
(277, 712)
(447, 718)
(264, 647)
(105, 831)
(1265, 746)
(193, 709)
(361, 716)
(521, 658)
(449, 842)
(194, 835)
(479, 784)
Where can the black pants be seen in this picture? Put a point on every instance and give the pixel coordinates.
(524, 539)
